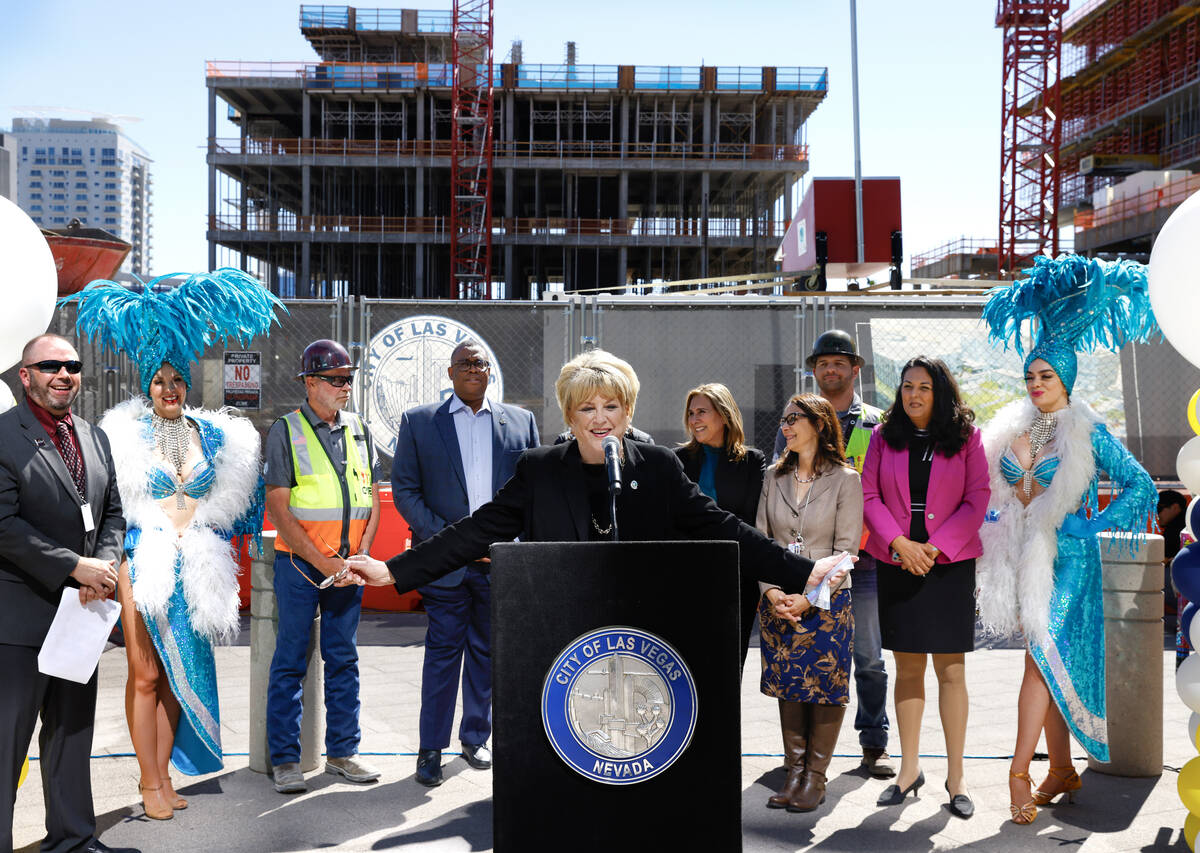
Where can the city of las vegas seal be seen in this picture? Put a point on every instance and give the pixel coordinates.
(619, 705)
(408, 360)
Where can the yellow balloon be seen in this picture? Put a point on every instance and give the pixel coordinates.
(1190, 825)
(25, 772)
(1189, 785)
(1193, 414)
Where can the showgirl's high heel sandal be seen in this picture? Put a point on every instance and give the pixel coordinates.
(1062, 780)
(1026, 813)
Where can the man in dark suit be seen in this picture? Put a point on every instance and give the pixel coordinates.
(60, 526)
(451, 458)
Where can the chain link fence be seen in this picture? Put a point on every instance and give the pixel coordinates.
(754, 345)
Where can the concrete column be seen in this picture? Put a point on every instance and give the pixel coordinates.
(1133, 612)
(419, 249)
(212, 174)
(264, 623)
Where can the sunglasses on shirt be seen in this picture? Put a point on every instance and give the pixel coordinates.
(51, 365)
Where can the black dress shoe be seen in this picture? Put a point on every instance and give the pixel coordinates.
(98, 846)
(429, 767)
(893, 796)
(478, 756)
(960, 804)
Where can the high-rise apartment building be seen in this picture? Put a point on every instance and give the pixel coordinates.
(337, 178)
(90, 171)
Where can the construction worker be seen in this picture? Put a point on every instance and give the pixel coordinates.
(835, 364)
(321, 497)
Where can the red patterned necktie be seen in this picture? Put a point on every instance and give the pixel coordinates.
(66, 447)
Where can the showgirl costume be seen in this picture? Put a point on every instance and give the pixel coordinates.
(1040, 570)
(184, 582)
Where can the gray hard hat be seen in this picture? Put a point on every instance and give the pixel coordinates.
(834, 342)
(324, 355)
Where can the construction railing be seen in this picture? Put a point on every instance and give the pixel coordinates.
(410, 75)
(554, 149)
(961, 246)
(1168, 195)
(550, 227)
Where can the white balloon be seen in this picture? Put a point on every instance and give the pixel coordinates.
(7, 400)
(1187, 517)
(1187, 464)
(1193, 724)
(30, 282)
(1172, 279)
(1187, 682)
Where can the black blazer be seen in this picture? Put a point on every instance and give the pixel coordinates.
(546, 501)
(41, 527)
(738, 483)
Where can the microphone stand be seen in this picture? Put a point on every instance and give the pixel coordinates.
(612, 503)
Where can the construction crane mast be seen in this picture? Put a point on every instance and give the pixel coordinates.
(1032, 131)
(472, 125)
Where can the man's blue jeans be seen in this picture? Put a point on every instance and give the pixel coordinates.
(870, 678)
(298, 601)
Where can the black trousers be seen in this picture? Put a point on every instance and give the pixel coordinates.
(68, 711)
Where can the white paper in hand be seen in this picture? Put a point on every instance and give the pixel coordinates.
(76, 638)
(822, 595)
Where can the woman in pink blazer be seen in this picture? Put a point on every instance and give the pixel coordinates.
(925, 493)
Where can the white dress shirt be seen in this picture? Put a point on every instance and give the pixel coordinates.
(474, 431)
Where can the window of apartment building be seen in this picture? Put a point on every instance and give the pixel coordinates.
(58, 185)
(81, 208)
(110, 196)
(81, 185)
(58, 173)
(110, 220)
(37, 184)
(58, 196)
(110, 174)
(81, 197)
(110, 208)
(35, 195)
(110, 185)
(58, 208)
(35, 207)
(36, 173)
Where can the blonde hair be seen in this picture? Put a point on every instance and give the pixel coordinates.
(727, 408)
(595, 372)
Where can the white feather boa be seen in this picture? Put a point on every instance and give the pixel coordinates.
(1016, 571)
(209, 568)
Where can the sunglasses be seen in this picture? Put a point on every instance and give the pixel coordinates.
(51, 365)
(335, 381)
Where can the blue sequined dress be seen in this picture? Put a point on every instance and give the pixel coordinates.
(1070, 656)
(194, 605)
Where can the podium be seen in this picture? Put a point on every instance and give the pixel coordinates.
(616, 696)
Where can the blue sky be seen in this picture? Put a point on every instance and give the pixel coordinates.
(929, 80)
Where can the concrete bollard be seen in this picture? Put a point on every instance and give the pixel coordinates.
(1133, 655)
(264, 622)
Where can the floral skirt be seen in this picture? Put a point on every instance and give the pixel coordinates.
(809, 662)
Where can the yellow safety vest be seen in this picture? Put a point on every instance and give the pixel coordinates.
(333, 510)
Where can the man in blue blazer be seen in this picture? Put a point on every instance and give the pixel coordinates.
(451, 458)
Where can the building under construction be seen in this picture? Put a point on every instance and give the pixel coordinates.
(1125, 75)
(1131, 120)
(600, 175)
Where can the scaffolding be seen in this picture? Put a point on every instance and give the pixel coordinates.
(1029, 150)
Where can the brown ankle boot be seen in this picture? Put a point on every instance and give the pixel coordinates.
(824, 726)
(793, 719)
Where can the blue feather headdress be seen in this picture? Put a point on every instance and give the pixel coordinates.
(1080, 304)
(154, 325)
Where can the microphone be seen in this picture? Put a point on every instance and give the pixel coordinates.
(612, 463)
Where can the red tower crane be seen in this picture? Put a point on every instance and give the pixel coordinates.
(1029, 174)
(471, 128)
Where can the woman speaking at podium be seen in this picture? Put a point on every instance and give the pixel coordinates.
(560, 493)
